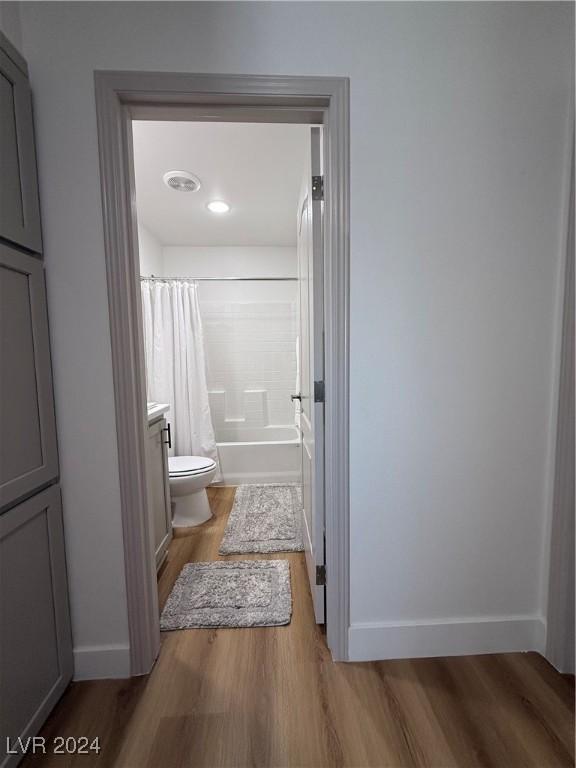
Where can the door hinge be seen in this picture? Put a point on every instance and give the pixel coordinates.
(320, 575)
(319, 392)
(317, 187)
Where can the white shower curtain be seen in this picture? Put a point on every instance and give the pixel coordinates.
(175, 363)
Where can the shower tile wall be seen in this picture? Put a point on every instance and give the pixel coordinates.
(251, 363)
(250, 331)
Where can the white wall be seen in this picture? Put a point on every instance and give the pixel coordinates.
(234, 261)
(150, 251)
(459, 135)
(227, 261)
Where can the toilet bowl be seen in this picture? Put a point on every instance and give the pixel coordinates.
(188, 477)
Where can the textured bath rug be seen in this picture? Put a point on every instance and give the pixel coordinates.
(264, 518)
(244, 593)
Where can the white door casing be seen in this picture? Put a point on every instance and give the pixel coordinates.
(311, 352)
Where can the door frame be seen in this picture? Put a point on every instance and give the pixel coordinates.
(120, 98)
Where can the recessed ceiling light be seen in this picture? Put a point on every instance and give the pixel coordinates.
(218, 206)
(181, 181)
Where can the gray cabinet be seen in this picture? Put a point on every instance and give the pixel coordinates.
(159, 489)
(19, 209)
(35, 644)
(28, 454)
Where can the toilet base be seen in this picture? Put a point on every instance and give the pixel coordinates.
(191, 510)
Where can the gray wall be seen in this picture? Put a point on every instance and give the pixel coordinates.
(460, 125)
(10, 22)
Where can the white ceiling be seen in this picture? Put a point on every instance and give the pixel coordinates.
(257, 168)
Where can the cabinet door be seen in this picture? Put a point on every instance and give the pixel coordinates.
(19, 209)
(35, 643)
(28, 454)
(159, 489)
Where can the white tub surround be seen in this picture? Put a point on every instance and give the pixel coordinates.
(250, 346)
(268, 455)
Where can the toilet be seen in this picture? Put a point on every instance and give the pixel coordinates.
(188, 477)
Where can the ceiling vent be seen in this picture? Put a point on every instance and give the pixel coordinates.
(181, 181)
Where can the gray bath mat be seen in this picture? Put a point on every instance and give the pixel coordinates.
(243, 593)
(264, 518)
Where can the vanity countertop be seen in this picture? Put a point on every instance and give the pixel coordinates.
(157, 411)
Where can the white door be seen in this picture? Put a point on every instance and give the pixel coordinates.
(311, 354)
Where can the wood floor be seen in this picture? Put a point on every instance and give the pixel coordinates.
(272, 697)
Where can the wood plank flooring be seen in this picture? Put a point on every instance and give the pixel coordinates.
(271, 697)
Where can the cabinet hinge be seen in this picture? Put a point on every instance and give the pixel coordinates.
(319, 392)
(317, 187)
(320, 575)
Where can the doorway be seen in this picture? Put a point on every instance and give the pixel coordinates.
(124, 97)
(231, 268)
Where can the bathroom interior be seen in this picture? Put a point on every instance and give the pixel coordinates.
(218, 208)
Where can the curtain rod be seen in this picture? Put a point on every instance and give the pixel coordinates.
(167, 279)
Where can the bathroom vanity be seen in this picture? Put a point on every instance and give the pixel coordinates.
(157, 444)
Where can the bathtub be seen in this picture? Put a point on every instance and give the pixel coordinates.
(260, 455)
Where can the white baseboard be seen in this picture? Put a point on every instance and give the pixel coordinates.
(97, 662)
(459, 637)
(257, 478)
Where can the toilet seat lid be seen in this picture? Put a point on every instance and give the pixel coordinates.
(189, 465)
